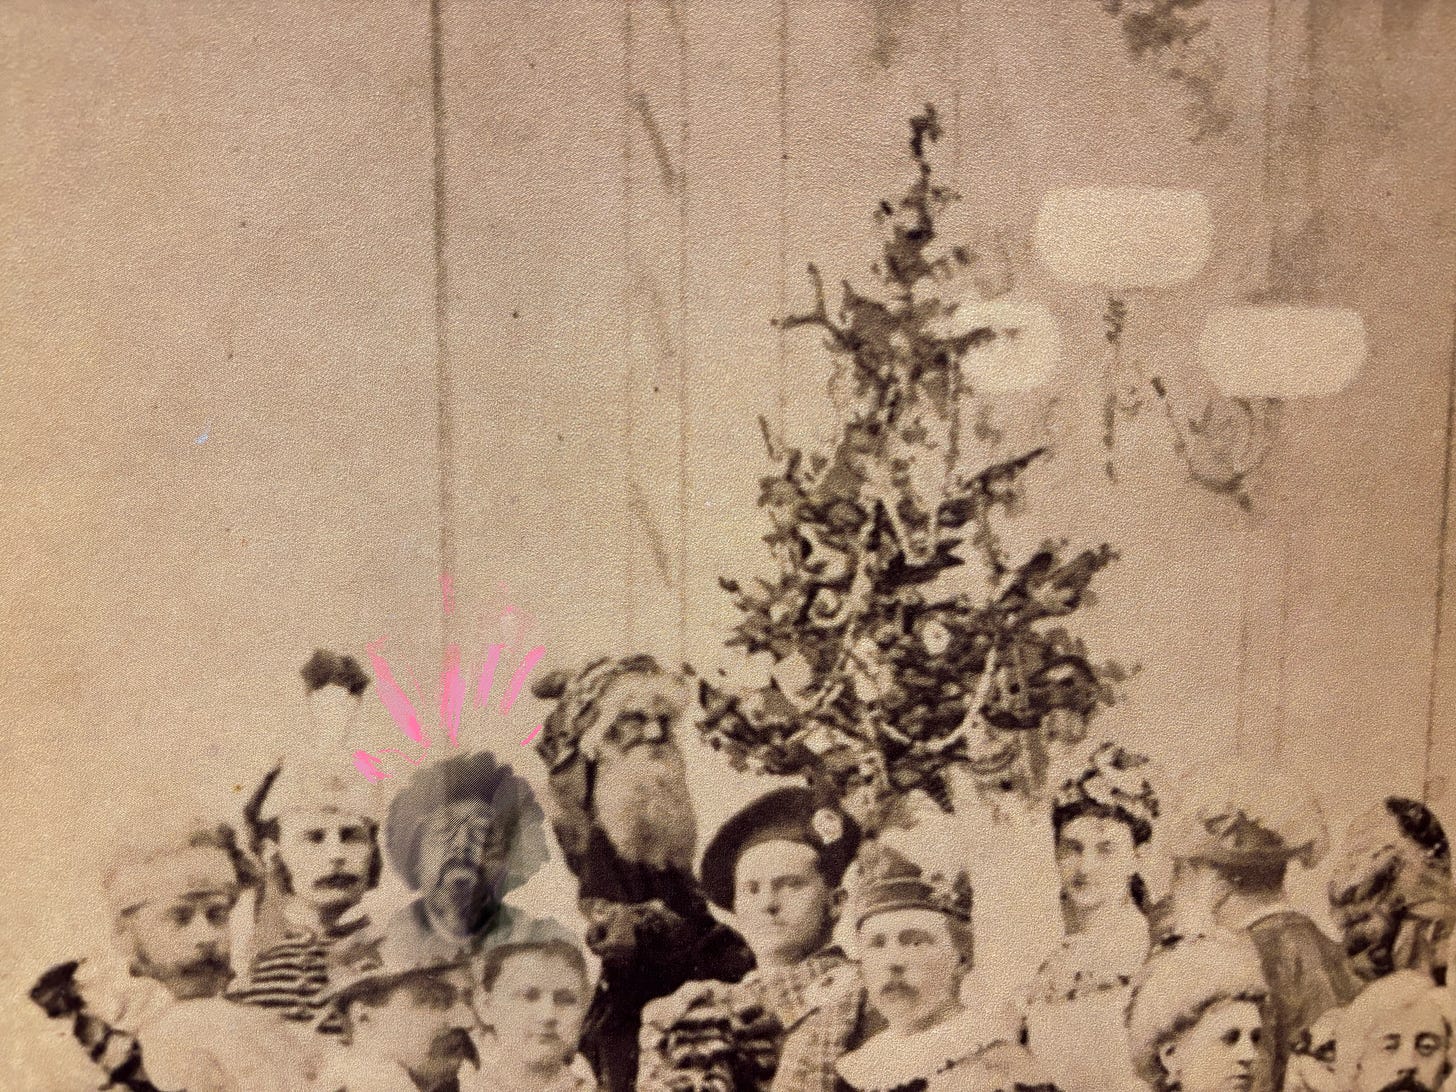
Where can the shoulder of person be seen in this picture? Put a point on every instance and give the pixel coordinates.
(835, 995)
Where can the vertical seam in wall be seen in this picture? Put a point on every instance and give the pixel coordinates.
(444, 431)
(1281, 706)
(684, 400)
(1242, 682)
(1442, 534)
(955, 93)
(683, 363)
(628, 304)
(781, 407)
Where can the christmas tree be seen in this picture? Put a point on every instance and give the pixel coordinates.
(901, 674)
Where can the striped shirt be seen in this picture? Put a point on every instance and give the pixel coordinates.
(291, 977)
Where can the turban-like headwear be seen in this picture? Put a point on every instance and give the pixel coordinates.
(1114, 785)
(1382, 1000)
(1178, 985)
(1391, 889)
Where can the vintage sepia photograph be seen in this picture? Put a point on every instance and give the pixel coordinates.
(728, 546)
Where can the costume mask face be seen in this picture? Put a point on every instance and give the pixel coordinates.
(536, 1006)
(464, 855)
(1097, 860)
(1220, 1053)
(781, 902)
(907, 958)
(182, 942)
(640, 790)
(1405, 1052)
(327, 856)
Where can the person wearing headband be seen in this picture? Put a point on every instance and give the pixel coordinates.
(170, 891)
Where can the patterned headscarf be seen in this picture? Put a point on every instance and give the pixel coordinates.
(1391, 890)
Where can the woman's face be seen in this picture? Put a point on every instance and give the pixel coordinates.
(1220, 1053)
(1097, 860)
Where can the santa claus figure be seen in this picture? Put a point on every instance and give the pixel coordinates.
(627, 829)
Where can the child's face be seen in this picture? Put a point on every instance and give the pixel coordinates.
(536, 1007)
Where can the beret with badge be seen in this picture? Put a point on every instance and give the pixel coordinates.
(791, 814)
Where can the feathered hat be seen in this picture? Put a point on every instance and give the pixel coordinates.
(1247, 818)
(316, 773)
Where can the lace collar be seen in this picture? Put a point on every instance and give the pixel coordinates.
(890, 1060)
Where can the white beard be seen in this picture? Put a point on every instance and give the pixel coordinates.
(641, 802)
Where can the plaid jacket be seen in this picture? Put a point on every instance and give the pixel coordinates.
(835, 1021)
(731, 1039)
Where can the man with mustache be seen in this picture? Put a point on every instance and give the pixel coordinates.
(314, 827)
(463, 832)
(627, 828)
(1395, 1037)
(151, 1015)
(1391, 891)
(898, 1020)
(402, 1025)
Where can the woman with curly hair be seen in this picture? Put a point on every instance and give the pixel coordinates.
(1101, 821)
(1196, 1019)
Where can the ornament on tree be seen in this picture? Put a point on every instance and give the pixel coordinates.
(900, 678)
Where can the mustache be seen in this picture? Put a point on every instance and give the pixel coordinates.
(1407, 1084)
(898, 987)
(212, 963)
(339, 880)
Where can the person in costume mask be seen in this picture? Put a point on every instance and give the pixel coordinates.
(1391, 891)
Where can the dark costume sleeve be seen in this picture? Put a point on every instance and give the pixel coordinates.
(1307, 974)
(653, 932)
(118, 1054)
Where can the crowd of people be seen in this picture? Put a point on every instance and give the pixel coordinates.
(800, 953)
